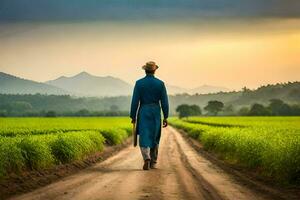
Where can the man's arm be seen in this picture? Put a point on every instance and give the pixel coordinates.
(165, 105)
(134, 103)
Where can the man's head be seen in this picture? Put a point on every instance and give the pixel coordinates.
(150, 67)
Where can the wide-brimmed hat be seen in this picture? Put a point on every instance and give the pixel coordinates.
(150, 66)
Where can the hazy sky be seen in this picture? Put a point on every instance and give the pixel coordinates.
(231, 51)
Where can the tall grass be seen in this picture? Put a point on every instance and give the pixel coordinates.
(47, 142)
(76, 145)
(269, 148)
(11, 158)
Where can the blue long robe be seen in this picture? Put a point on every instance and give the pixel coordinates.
(149, 98)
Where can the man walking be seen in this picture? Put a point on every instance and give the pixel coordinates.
(149, 97)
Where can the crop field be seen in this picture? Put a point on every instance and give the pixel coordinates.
(268, 145)
(37, 143)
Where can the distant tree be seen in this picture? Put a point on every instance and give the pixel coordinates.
(243, 111)
(259, 110)
(83, 113)
(42, 113)
(295, 110)
(50, 113)
(214, 107)
(3, 113)
(228, 110)
(294, 94)
(114, 108)
(20, 106)
(245, 90)
(195, 110)
(31, 114)
(278, 107)
(185, 110)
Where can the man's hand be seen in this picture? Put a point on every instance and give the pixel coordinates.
(165, 123)
(133, 121)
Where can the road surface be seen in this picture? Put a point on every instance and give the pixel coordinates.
(182, 174)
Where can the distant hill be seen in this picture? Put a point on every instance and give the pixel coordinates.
(85, 84)
(14, 85)
(206, 89)
(172, 89)
(288, 92)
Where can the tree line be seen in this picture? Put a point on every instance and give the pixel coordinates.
(25, 109)
(276, 107)
(286, 98)
(38, 104)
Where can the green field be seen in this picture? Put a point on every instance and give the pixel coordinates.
(37, 143)
(269, 146)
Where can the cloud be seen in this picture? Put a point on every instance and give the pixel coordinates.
(145, 10)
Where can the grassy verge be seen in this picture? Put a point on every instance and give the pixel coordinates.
(59, 141)
(272, 151)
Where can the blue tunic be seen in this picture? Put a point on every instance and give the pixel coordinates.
(149, 97)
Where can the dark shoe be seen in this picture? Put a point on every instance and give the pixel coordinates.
(146, 164)
(153, 165)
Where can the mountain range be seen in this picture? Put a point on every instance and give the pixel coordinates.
(85, 84)
(10, 84)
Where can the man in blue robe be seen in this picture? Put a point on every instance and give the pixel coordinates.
(149, 98)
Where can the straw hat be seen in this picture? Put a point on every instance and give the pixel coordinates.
(150, 66)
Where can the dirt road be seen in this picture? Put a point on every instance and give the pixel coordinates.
(182, 174)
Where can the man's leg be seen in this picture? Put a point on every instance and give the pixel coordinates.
(153, 155)
(145, 152)
(146, 156)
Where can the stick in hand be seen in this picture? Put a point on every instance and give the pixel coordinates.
(134, 133)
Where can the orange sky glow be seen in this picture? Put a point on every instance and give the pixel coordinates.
(232, 55)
